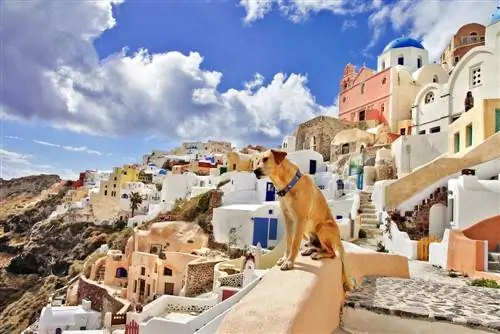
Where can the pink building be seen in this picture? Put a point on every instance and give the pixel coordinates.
(364, 95)
(386, 95)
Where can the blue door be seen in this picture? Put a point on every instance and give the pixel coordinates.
(360, 181)
(273, 229)
(260, 231)
(312, 167)
(270, 192)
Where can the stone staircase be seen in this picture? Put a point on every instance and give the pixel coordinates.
(494, 262)
(369, 218)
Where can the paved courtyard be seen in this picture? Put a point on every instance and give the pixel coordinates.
(430, 299)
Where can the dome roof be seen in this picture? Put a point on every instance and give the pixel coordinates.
(495, 17)
(403, 42)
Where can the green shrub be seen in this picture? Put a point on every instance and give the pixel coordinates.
(485, 282)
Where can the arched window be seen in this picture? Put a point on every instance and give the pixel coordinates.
(362, 88)
(429, 97)
(419, 62)
(384, 80)
(401, 60)
(435, 79)
(345, 148)
(473, 37)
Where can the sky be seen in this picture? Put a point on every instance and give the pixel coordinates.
(97, 84)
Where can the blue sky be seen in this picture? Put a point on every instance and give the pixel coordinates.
(72, 99)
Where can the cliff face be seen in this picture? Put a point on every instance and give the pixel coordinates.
(38, 255)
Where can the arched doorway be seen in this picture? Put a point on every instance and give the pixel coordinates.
(437, 219)
(121, 272)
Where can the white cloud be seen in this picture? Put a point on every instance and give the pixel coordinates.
(13, 164)
(349, 24)
(165, 94)
(434, 22)
(300, 10)
(13, 137)
(68, 148)
(148, 138)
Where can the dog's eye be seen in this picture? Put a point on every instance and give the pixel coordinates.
(265, 159)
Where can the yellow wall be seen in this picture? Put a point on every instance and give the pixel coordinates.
(482, 120)
(129, 174)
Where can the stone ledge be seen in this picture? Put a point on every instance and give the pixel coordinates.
(474, 307)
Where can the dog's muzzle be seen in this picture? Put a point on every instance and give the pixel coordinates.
(258, 173)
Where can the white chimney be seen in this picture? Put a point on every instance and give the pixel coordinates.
(86, 304)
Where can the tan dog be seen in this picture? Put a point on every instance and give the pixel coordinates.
(306, 212)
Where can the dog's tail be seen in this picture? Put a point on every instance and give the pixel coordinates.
(348, 284)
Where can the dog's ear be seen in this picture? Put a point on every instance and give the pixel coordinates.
(278, 156)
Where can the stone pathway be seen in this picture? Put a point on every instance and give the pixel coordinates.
(428, 299)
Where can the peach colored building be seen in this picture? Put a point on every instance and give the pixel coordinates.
(154, 262)
(466, 38)
(469, 249)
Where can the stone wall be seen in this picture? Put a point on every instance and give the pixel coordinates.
(199, 277)
(99, 296)
(187, 308)
(235, 281)
(324, 129)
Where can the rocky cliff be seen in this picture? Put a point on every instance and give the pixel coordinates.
(38, 255)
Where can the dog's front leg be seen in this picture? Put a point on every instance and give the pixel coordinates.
(288, 235)
(297, 239)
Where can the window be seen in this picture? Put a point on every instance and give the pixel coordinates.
(105, 193)
(401, 60)
(384, 80)
(383, 65)
(312, 143)
(419, 62)
(345, 148)
(135, 286)
(456, 140)
(382, 107)
(362, 88)
(435, 129)
(124, 172)
(475, 76)
(465, 40)
(167, 271)
(115, 178)
(402, 131)
(429, 97)
(468, 135)
(435, 79)
(114, 185)
(456, 60)
(271, 212)
(473, 37)
(362, 115)
(422, 132)
(143, 271)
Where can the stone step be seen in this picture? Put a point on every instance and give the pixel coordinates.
(495, 256)
(493, 266)
(368, 216)
(374, 222)
(367, 207)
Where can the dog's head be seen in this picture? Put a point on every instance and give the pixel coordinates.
(268, 161)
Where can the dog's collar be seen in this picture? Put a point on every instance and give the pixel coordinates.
(292, 183)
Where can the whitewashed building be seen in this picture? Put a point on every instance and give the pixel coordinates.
(242, 225)
(56, 319)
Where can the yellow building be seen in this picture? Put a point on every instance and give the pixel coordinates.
(474, 126)
(240, 162)
(130, 173)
